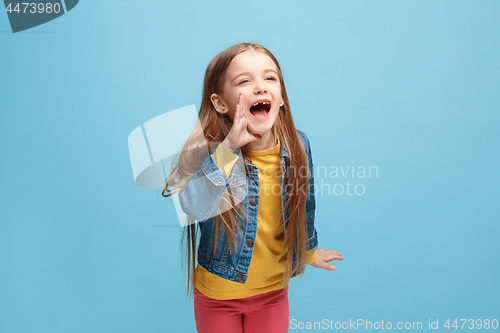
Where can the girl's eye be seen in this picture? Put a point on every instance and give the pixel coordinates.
(271, 78)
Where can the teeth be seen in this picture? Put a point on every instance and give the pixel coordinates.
(262, 103)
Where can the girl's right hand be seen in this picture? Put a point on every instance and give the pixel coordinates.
(239, 136)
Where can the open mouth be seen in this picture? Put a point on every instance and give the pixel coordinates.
(260, 109)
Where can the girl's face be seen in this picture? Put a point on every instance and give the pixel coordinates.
(255, 75)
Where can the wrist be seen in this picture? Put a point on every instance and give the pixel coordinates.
(229, 146)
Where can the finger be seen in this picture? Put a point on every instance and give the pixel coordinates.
(329, 267)
(242, 124)
(239, 107)
(330, 251)
(328, 255)
(237, 116)
(334, 254)
(242, 105)
(242, 101)
(334, 257)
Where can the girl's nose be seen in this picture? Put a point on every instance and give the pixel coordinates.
(260, 87)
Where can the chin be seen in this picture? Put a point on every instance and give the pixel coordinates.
(260, 129)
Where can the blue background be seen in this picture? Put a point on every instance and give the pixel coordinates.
(408, 86)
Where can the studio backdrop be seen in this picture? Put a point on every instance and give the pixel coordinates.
(400, 103)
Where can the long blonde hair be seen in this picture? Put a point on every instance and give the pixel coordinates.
(214, 128)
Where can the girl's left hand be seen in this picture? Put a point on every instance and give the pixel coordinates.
(325, 256)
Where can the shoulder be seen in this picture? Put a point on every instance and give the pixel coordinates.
(304, 138)
(302, 135)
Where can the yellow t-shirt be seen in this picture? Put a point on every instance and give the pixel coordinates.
(266, 270)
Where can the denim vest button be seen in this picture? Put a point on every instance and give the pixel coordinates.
(253, 202)
(249, 243)
(239, 277)
(220, 181)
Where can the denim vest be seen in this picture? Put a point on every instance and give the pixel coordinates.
(203, 194)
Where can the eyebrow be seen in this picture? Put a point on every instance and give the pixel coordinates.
(246, 73)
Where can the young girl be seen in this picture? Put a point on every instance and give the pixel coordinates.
(247, 176)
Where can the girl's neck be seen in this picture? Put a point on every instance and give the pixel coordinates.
(268, 141)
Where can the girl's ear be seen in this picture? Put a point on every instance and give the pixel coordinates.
(218, 103)
(282, 103)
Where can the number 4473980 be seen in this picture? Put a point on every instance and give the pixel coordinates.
(477, 324)
(40, 8)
